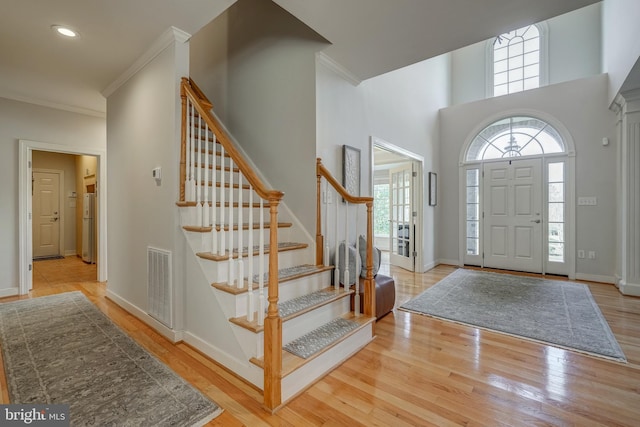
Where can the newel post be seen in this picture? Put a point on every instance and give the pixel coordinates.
(183, 139)
(319, 237)
(273, 322)
(369, 286)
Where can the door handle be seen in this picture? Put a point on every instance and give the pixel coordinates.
(54, 219)
(537, 221)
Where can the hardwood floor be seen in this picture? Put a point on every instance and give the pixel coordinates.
(423, 371)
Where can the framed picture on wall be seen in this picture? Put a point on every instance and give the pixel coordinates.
(351, 169)
(433, 189)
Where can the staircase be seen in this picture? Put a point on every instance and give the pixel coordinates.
(265, 289)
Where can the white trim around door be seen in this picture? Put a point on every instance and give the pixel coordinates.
(25, 209)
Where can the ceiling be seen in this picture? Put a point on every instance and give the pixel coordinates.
(369, 37)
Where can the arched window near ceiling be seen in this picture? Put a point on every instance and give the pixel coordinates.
(516, 136)
(517, 57)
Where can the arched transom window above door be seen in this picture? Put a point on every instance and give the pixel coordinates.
(516, 136)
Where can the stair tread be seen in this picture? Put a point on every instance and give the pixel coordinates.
(296, 307)
(245, 226)
(291, 362)
(285, 276)
(282, 246)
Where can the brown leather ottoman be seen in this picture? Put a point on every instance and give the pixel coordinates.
(385, 295)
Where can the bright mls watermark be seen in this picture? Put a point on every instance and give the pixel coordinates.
(34, 415)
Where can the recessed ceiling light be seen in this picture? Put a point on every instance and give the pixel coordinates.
(65, 31)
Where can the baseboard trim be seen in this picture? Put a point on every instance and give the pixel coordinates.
(70, 253)
(596, 278)
(168, 333)
(9, 292)
(255, 375)
(453, 262)
(629, 289)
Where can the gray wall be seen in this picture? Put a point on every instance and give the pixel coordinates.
(19, 120)
(400, 108)
(143, 128)
(574, 41)
(256, 63)
(581, 105)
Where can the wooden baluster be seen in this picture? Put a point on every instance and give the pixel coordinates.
(326, 224)
(261, 268)
(240, 262)
(250, 259)
(356, 299)
(199, 175)
(205, 201)
(221, 238)
(336, 274)
(347, 282)
(231, 263)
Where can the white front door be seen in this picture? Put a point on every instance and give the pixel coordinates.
(513, 215)
(401, 219)
(46, 214)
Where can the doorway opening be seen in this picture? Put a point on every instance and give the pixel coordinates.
(397, 210)
(53, 223)
(517, 181)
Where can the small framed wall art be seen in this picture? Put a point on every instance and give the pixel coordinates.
(351, 169)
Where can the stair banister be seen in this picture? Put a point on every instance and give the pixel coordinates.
(369, 287)
(192, 95)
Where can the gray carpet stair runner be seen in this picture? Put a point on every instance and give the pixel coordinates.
(314, 341)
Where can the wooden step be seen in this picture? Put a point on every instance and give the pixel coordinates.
(255, 227)
(282, 247)
(331, 297)
(309, 270)
(291, 362)
(226, 204)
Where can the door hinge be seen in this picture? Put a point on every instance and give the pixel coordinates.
(415, 254)
(29, 165)
(482, 214)
(414, 214)
(482, 255)
(30, 266)
(414, 174)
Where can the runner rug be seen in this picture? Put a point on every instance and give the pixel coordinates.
(61, 349)
(559, 313)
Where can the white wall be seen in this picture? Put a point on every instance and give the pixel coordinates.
(19, 120)
(621, 41)
(582, 106)
(400, 107)
(265, 93)
(143, 128)
(66, 163)
(574, 41)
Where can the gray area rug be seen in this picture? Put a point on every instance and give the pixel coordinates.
(61, 349)
(553, 312)
(311, 343)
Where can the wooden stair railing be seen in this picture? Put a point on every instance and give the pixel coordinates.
(322, 255)
(195, 187)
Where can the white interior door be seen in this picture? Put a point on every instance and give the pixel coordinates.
(513, 215)
(46, 214)
(401, 217)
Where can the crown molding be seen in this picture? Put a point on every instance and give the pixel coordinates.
(330, 63)
(55, 105)
(170, 36)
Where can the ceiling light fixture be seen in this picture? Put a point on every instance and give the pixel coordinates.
(65, 31)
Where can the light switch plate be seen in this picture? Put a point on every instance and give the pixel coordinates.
(587, 201)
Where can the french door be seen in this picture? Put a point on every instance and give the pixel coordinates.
(401, 217)
(513, 220)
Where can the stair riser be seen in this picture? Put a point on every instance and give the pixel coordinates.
(218, 271)
(297, 327)
(189, 215)
(236, 198)
(203, 242)
(237, 305)
(253, 343)
(301, 378)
